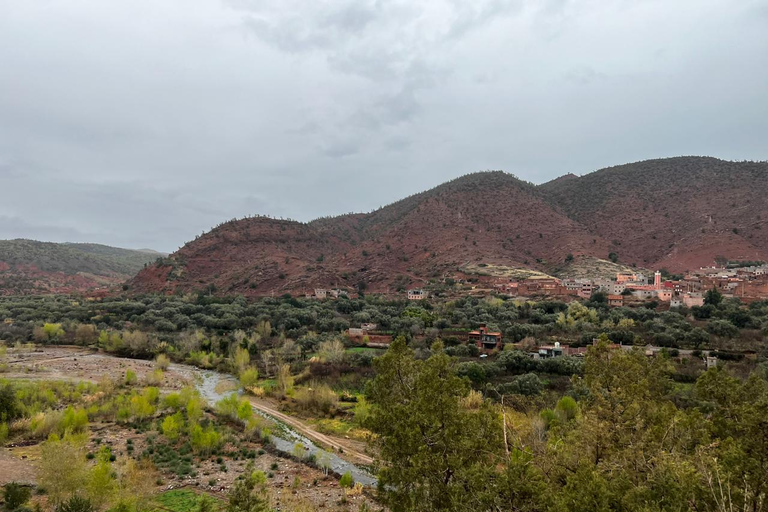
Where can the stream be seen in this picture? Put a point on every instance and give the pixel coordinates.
(286, 438)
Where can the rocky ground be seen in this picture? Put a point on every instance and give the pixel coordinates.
(290, 479)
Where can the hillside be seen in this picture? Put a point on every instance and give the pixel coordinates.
(490, 217)
(29, 266)
(676, 213)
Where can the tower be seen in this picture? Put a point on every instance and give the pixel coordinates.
(657, 280)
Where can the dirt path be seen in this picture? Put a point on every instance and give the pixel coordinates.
(309, 432)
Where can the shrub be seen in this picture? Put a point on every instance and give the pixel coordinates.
(15, 495)
(347, 481)
(75, 504)
(249, 378)
(318, 398)
(204, 440)
(163, 362)
(130, 378)
(172, 426)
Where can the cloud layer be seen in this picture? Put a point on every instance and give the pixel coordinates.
(143, 123)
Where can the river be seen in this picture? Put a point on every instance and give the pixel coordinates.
(285, 440)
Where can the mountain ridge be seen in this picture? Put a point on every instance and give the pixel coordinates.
(34, 267)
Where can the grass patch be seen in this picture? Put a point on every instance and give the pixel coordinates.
(224, 386)
(341, 428)
(365, 350)
(183, 500)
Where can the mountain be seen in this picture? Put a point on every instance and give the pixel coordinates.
(676, 213)
(31, 267)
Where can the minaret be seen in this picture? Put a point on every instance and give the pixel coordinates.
(657, 280)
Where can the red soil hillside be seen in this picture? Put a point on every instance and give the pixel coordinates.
(482, 218)
(676, 213)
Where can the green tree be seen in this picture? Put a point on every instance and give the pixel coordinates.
(435, 454)
(62, 467)
(101, 483)
(249, 493)
(9, 404)
(172, 426)
(713, 297)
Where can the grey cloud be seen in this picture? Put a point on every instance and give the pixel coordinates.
(141, 124)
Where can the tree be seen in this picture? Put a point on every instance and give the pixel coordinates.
(242, 359)
(284, 380)
(172, 426)
(613, 257)
(56, 455)
(435, 454)
(332, 351)
(86, 334)
(101, 483)
(50, 332)
(249, 493)
(249, 378)
(713, 297)
(9, 405)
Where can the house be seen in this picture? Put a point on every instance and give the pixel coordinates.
(417, 294)
(664, 294)
(624, 277)
(617, 288)
(321, 293)
(547, 351)
(368, 327)
(676, 302)
(486, 339)
(615, 300)
(693, 299)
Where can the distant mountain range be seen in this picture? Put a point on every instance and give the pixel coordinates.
(32, 267)
(674, 213)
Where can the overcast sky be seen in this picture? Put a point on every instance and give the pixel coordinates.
(141, 123)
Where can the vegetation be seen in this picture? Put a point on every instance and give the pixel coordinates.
(627, 439)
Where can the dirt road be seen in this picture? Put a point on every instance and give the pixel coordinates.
(349, 447)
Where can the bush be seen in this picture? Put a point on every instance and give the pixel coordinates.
(130, 378)
(249, 378)
(172, 426)
(346, 480)
(15, 495)
(163, 362)
(318, 398)
(76, 504)
(528, 384)
(9, 405)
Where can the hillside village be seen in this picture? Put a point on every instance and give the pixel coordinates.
(748, 283)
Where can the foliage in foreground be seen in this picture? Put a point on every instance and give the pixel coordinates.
(632, 441)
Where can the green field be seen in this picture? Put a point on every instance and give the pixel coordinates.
(182, 500)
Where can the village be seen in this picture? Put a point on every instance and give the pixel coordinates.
(749, 284)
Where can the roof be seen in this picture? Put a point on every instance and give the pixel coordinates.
(615, 297)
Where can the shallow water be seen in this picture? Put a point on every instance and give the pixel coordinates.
(208, 380)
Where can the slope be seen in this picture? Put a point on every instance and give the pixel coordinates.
(678, 213)
(489, 217)
(29, 266)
